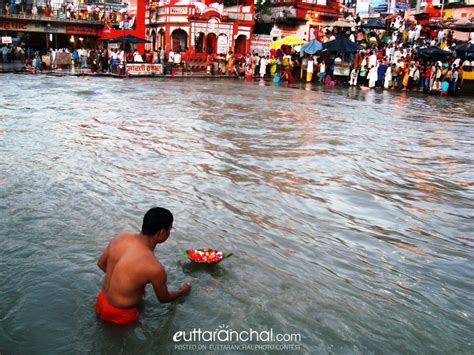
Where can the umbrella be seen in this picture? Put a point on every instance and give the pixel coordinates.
(311, 47)
(288, 40)
(374, 24)
(467, 27)
(340, 23)
(128, 39)
(434, 52)
(467, 47)
(436, 26)
(462, 21)
(342, 45)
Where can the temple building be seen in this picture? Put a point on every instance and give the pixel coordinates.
(200, 28)
(301, 18)
(41, 24)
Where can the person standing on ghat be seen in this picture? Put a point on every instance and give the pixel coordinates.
(398, 48)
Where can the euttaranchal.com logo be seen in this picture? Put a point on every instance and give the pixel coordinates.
(225, 338)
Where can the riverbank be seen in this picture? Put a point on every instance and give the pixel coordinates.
(465, 89)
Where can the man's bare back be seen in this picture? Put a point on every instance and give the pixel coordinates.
(129, 264)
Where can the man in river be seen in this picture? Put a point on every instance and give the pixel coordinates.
(130, 264)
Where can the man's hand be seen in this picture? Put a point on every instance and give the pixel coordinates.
(185, 288)
(159, 279)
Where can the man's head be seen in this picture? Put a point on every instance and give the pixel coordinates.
(157, 223)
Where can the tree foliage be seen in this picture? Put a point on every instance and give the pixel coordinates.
(262, 7)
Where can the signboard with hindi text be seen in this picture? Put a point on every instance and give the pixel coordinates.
(144, 69)
(7, 40)
(6, 25)
(81, 30)
(261, 44)
(222, 44)
(341, 69)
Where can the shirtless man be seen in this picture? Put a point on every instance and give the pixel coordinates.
(130, 264)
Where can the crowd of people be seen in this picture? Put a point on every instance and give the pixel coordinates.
(73, 10)
(11, 52)
(395, 59)
(114, 60)
(388, 59)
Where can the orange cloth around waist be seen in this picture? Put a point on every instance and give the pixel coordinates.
(112, 314)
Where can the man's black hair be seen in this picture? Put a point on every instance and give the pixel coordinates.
(155, 220)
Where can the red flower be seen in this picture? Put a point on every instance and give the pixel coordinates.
(205, 255)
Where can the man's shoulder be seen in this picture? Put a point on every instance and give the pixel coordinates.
(123, 234)
(151, 267)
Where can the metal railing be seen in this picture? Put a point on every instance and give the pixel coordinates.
(59, 17)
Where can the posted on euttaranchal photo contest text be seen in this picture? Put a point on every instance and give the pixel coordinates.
(224, 338)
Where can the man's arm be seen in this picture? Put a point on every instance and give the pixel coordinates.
(102, 263)
(158, 281)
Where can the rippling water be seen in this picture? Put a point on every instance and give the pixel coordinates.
(350, 213)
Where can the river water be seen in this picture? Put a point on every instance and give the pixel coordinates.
(349, 213)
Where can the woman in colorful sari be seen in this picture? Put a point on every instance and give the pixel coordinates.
(273, 66)
(406, 78)
(230, 66)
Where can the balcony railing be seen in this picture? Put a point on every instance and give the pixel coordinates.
(59, 17)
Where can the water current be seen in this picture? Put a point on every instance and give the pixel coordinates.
(349, 213)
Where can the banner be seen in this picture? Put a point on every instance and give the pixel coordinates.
(31, 27)
(144, 69)
(7, 40)
(222, 44)
(81, 30)
(378, 6)
(261, 44)
(362, 7)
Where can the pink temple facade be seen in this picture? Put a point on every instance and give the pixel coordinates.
(199, 28)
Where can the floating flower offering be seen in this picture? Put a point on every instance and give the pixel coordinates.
(208, 256)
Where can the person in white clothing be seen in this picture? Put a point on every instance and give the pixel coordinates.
(322, 71)
(53, 58)
(394, 36)
(372, 76)
(310, 69)
(353, 77)
(397, 56)
(177, 58)
(388, 78)
(171, 56)
(263, 66)
(441, 36)
(372, 59)
(417, 32)
(137, 58)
